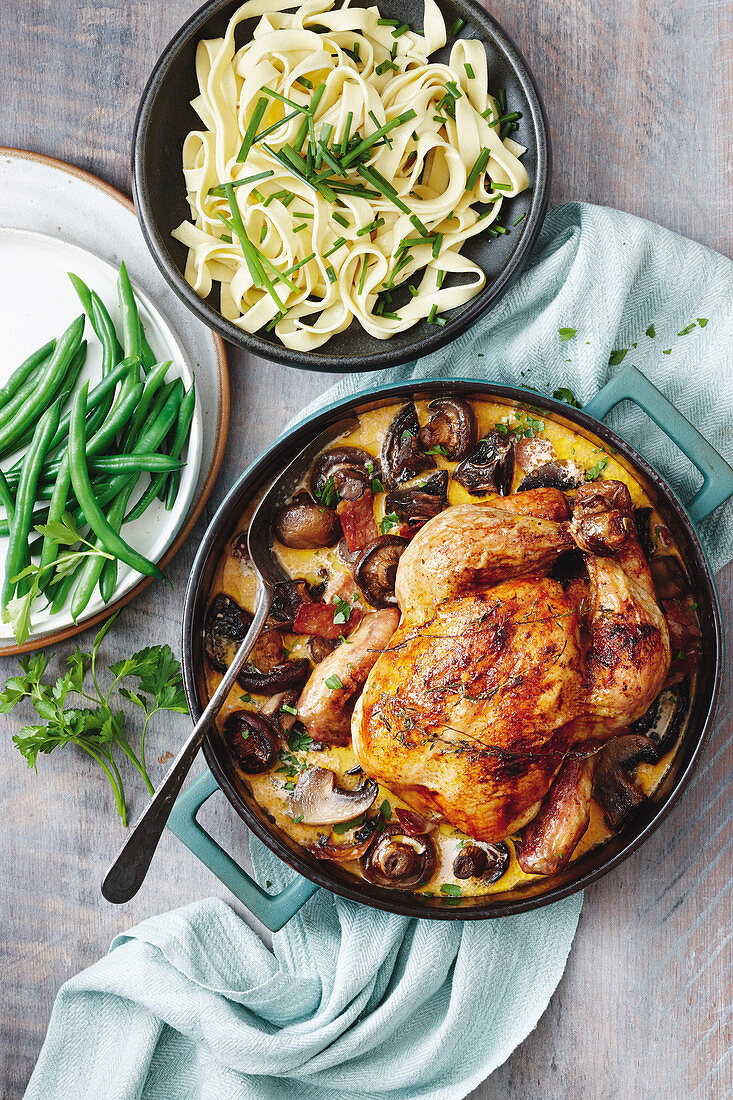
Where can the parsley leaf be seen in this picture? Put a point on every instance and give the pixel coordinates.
(595, 471)
(389, 521)
(650, 331)
(567, 395)
(567, 333)
(617, 357)
(333, 683)
(702, 321)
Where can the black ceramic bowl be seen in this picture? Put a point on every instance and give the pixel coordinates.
(165, 117)
(579, 873)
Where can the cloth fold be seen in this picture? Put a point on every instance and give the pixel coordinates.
(353, 1002)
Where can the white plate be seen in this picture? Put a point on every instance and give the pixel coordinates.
(37, 302)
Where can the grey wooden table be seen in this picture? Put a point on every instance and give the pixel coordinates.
(639, 96)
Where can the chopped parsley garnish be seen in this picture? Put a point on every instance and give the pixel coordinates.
(347, 826)
(567, 333)
(389, 521)
(595, 471)
(567, 395)
(687, 328)
(333, 683)
(617, 357)
(702, 321)
(651, 331)
(327, 494)
(343, 610)
(386, 810)
(289, 710)
(451, 889)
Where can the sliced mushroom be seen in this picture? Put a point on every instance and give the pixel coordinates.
(318, 801)
(376, 567)
(289, 595)
(251, 740)
(398, 860)
(485, 861)
(452, 427)
(402, 458)
(613, 788)
(490, 466)
(272, 710)
(417, 504)
(670, 580)
(354, 849)
(663, 721)
(350, 467)
(305, 525)
(550, 475)
(266, 671)
(319, 648)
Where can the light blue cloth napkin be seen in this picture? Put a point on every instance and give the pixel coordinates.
(355, 1003)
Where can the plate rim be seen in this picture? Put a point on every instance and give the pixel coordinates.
(199, 502)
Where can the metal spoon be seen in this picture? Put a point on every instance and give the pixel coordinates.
(126, 875)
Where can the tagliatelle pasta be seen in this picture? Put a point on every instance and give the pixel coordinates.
(340, 171)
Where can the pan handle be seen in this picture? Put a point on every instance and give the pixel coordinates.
(273, 910)
(717, 476)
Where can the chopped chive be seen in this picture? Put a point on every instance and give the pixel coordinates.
(218, 189)
(354, 190)
(452, 88)
(413, 290)
(226, 237)
(440, 119)
(393, 51)
(300, 263)
(478, 167)
(302, 214)
(501, 98)
(323, 140)
(414, 220)
(345, 135)
(331, 274)
(384, 65)
(379, 308)
(439, 276)
(433, 313)
(519, 219)
(376, 122)
(402, 29)
(355, 51)
(284, 99)
(403, 261)
(331, 161)
(340, 219)
(305, 82)
(391, 316)
(500, 229)
(388, 22)
(457, 26)
(487, 112)
(251, 253)
(335, 247)
(368, 228)
(287, 199)
(249, 136)
(282, 159)
(469, 70)
(362, 279)
(276, 126)
(263, 232)
(367, 142)
(298, 228)
(501, 186)
(437, 245)
(371, 175)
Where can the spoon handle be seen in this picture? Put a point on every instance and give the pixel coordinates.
(126, 875)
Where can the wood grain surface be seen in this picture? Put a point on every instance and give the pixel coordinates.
(639, 97)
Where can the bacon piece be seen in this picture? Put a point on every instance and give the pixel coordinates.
(318, 618)
(682, 623)
(357, 521)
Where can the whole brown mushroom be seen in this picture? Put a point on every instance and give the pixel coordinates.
(251, 741)
(487, 862)
(351, 469)
(305, 525)
(490, 466)
(416, 504)
(402, 458)
(399, 861)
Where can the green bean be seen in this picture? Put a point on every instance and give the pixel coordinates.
(147, 355)
(153, 383)
(27, 367)
(29, 410)
(121, 487)
(17, 553)
(21, 394)
(130, 316)
(185, 415)
(140, 463)
(57, 507)
(39, 516)
(6, 497)
(104, 436)
(96, 397)
(101, 323)
(75, 368)
(112, 542)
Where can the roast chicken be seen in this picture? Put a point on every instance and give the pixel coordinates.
(485, 706)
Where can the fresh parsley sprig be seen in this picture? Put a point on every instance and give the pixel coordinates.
(95, 727)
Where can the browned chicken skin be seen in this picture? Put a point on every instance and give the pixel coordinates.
(495, 670)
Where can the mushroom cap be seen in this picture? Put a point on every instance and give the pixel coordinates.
(305, 525)
(550, 475)
(485, 861)
(399, 860)
(402, 458)
(416, 504)
(490, 466)
(613, 787)
(452, 427)
(376, 567)
(319, 801)
(251, 740)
